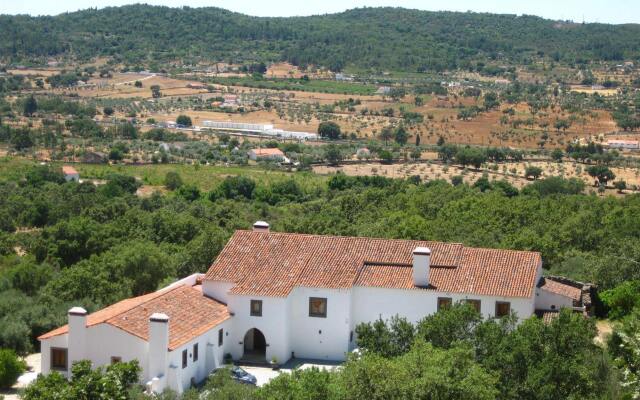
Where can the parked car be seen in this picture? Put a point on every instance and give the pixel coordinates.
(242, 376)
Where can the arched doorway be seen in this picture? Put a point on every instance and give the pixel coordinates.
(255, 346)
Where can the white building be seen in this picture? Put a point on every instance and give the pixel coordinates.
(70, 174)
(274, 296)
(273, 154)
(623, 144)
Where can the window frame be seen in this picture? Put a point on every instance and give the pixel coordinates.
(314, 314)
(220, 337)
(254, 313)
(447, 300)
(195, 352)
(185, 358)
(65, 351)
(473, 302)
(501, 303)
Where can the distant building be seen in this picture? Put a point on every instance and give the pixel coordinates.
(94, 157)
(624, 144)
(383, 90)
(363, 153)
(266, 154)
(70, 174)
(344, 77)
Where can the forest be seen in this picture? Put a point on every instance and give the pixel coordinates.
(64, 243)
(368, 38)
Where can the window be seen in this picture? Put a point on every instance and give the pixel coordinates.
(220, 337)
(318, 307)
(256, 308)
(59, 359)
(115, 360)
(474, 303)
(503, 308)
(444, 303)
(195, 352)
(350, 336)
(184, 358)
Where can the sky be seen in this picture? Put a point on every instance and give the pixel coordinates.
(605, 11)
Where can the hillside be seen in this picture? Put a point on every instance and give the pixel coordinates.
(384, 38)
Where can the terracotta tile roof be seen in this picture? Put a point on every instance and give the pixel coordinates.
(268, 152)
(190, 314)
(560, 288)
(67, 170)
(547, 316)
(272, 264)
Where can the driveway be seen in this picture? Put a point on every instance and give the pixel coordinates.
(265, 374)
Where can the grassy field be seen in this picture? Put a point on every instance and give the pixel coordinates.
(204, 177)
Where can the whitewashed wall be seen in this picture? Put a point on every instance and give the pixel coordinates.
(274, 325)
(320, 338)
(370, 303)
(546, 300)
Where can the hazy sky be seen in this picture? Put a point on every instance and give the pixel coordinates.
(610, 11)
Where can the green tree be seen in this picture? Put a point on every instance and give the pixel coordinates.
(333, 155)
(401, 136)
(557, 155)
(108, 111)
(329, 130)
(155, 91)
(11, 367)
(30, 106)
(601, 173)
(532, 172)
(183, 120)
(172, 180)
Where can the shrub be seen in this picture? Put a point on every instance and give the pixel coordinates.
(11, 367)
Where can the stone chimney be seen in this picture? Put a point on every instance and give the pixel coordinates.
(158, 346)
(77, 339)
(421, 266)
(261, 226)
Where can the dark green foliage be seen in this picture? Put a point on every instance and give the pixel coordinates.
(406, 39)
(401, 136)
(531, 360)
(184, 120)
(30, 106)
(112, 382)
(11, 367)
(602, 173)
(329, 130)
(235, 187)
(333, 155)
(623, 299)
(172, 180)
(533, 172)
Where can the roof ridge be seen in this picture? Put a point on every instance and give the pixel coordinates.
(351, 237)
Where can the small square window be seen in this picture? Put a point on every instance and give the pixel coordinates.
(503, 308)
(475, 303)
(115, 360)
(256, 308)
(184, 358)
(195, 352)
(318, 307)
(58, 359)
(444, 303)
(220, 337)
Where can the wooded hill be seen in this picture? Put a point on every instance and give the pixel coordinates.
(383, 38)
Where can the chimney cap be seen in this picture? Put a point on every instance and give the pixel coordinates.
(78, 311)
(422, 251)
(261, 225)
(159, 317)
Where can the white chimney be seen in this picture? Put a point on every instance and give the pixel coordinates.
(158, 346)
(421, 266)
(261, 226)
(77, 339)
